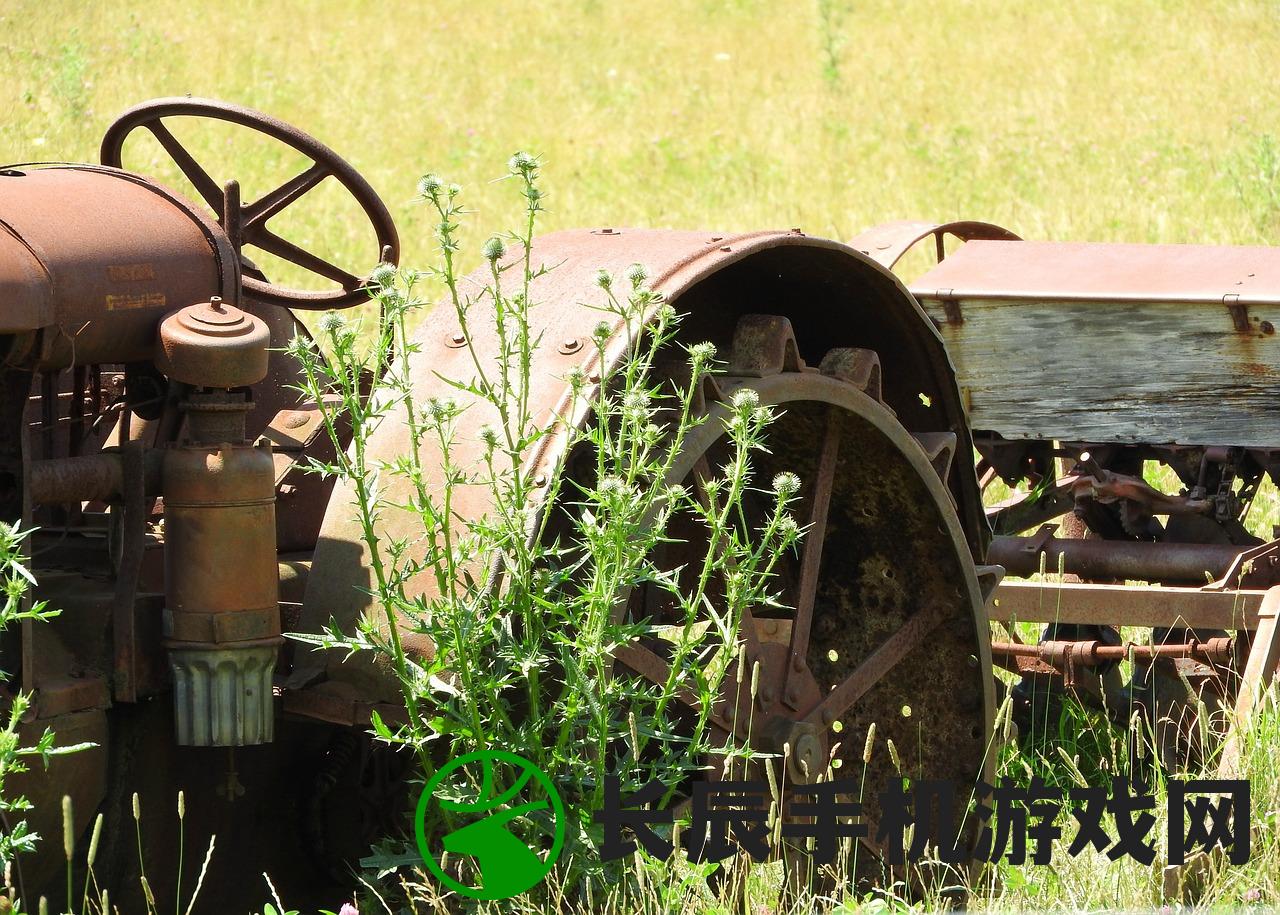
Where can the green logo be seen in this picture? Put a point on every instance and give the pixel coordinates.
(516, 832)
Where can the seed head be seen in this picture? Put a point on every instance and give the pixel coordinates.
(871, 740)
(604, 279)
(786, 484)
(637, 275)
(137, 807)
(489, 436)
(602, 332)
(68, 827)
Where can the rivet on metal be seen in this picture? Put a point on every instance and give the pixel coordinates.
(455, 339)
(570, 345)
(594, 378)
(715, 238)
(726, 249)
(540, 480)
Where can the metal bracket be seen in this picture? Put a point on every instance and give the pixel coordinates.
(1239, 311)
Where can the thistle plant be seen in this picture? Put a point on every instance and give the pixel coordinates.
(528, 606)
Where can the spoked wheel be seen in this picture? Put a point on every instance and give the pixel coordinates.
(882, 622)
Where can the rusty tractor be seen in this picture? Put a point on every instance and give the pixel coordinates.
(154, 443)
(1082, 367)
(155, 446)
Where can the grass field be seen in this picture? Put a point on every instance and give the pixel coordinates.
(1145, 120)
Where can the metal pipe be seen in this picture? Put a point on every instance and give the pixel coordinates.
(1106, 560)
(1218, 650)
(87, 478)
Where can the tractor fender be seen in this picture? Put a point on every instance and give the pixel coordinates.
(833, 295)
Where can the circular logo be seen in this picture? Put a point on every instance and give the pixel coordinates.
(514, 829)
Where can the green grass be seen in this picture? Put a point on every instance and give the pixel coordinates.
(1139, 121)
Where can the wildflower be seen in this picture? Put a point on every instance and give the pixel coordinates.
(347, 909)
(700, 354)
(637, 275)
(745, 400)
(383, 275)
(786, 484)
(604, 279)
(489, 436)
(522, 163)
(493, 249)
(331, 322)
(602, 332)
(429, 185)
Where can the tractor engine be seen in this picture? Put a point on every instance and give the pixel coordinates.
(125, 426)
(147, 435)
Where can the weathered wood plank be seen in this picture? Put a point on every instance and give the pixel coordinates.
(1116, 372)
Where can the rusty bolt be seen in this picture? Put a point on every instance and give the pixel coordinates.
(455, 339)
(594, 377)
(726, 249)
(570, 345)
(715, 238)
(1267, 327)
(540, 480)
(606, 232)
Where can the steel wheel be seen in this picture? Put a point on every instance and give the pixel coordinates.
(887, 627)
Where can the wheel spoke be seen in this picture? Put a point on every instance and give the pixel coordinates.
(268, 205)
(270, 242)
(653, 668)
(867, 674)
(815, 535)
(205, 186)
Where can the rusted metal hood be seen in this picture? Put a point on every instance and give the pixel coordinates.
(1048, 270)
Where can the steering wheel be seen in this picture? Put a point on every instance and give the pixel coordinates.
(247, 224)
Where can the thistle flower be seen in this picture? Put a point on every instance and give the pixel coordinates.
(700, 354)
(522, 164)
(602, 332)
(745, 400)
(331, 322)
(604, 279)
(637, 275)
(493, 249)
(429, 185)
(383, 275)
(489, 436)
(786, 484)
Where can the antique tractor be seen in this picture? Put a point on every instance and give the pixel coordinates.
(154, 443)
(1085, 368)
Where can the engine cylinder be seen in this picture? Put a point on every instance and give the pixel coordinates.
(222, 618)
(222, 601)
